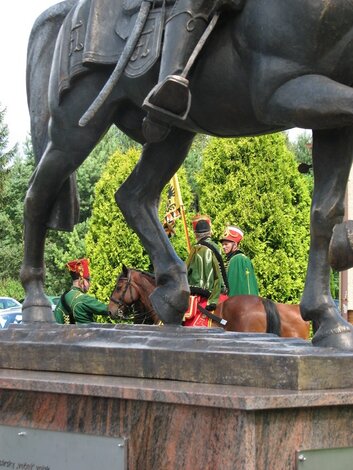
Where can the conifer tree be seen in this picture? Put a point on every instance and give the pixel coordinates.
(110, 242)
(10, 231)
(254, 183)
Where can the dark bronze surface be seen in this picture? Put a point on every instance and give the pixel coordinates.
(271, 66)
(189, 355)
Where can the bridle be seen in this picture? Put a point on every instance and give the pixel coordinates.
(121, 302)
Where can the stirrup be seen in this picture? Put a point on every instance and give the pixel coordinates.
(175, 86)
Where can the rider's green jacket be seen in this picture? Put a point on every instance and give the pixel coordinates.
(203, 270)
(241, 275)
(83, 307)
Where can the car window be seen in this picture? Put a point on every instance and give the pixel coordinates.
(8, 303)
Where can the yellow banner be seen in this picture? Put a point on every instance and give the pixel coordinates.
(175, 209)
(174, 202)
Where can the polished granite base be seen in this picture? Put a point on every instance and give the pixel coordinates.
(175, 353)
(174, 425)
(198, 400)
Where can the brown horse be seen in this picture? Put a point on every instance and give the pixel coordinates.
(243, 313)
(257, 314)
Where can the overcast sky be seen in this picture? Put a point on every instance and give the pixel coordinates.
(16, 22)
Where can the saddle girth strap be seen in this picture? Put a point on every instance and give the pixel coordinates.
(212, 316)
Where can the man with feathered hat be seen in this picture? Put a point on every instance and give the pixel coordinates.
(75, 306)
(241, 274)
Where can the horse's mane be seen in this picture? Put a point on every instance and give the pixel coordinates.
(144, 273)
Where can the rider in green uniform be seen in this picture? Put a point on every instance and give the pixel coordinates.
(241, 275)
(202, 264)
(75, 306)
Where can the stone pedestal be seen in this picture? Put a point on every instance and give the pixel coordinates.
(181, 399)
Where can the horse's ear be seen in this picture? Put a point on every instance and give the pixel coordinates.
(125, 270)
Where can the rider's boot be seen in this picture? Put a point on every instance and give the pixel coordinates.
(170, 99)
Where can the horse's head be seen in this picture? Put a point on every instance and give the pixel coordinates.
(124, 295)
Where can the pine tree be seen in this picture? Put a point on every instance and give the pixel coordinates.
(10, 227)
(5, 154)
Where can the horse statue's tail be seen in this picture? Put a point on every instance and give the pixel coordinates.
(272, 317)
(40, 53)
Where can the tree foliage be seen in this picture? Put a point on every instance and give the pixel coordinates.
(12, 176)
(110, 242)
(61, 247)
(302, 148)
(5, 154)
(193, 165)
(254, 184)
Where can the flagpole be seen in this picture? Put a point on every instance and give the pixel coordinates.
(183, 218)
(179, 202)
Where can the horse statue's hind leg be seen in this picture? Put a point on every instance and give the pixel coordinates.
(138, 198)
(332, 159)
(315, 101)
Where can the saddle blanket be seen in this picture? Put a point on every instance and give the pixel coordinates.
(193, 316)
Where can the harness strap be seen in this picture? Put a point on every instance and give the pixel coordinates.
(200, 45)
(213, 317)
(219, 259)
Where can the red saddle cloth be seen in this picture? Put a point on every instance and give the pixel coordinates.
(193, 316)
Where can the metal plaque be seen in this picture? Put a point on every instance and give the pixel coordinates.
(34, 449)
(325, 459)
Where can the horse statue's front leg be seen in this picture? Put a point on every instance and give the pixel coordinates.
(332, 157)
(138, 199)
(36, 307)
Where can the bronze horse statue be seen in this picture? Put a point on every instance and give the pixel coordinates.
(273, 66)
(243, 313)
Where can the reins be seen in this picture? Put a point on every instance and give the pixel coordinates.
(121, 302)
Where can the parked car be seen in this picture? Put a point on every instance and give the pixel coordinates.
(9, 316)
(9, 302)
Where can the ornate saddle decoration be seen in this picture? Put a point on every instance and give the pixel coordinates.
(84, 41)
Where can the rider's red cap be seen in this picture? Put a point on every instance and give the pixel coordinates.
(80, 267)
(232, 234)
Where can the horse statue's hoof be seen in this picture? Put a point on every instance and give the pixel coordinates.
(339, 336)
(169, 313)
(37, 309)
(341, 246)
